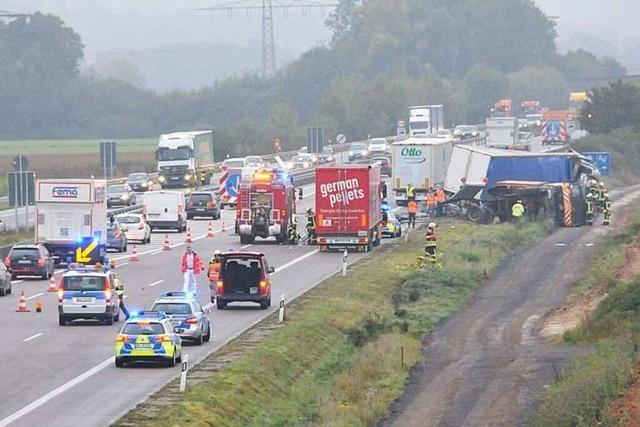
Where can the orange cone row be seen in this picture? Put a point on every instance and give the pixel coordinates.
(210, 232)
(188, 239)
(52, 285)
(22, 305)
(134, 254)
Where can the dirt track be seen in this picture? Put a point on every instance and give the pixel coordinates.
(487, 365)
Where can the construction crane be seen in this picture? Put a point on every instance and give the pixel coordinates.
(266, 6)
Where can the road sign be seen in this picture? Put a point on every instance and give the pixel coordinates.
(315, 140)
(86, 253)
(20, 163)
(232, 184)
(107, 154)
(22, 188)
(602, 160)
(341, 139)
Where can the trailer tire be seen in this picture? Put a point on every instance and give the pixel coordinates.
(475, 214)
(487, 215)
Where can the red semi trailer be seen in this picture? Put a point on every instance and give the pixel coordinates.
(348, 207)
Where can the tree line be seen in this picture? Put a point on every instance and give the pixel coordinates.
(384, 55)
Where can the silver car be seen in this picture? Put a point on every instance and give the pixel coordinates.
(88, 293)
(187, 316)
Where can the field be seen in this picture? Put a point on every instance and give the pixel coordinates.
(73, 146)
(347, 347)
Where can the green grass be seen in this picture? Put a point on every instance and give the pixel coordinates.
(72, 146)
(337, 359)
(10, 237)
(583, 395)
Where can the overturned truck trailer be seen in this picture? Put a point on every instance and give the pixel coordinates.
(485, 182)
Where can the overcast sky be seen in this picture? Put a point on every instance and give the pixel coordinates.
(125, 25)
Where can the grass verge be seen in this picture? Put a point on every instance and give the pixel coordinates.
(73, 146)
(10, 237)
(346, 349)
(584, 393)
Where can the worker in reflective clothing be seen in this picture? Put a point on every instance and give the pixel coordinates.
(517, 210)
(431, 247)
(410, 192)
(606, 210)
(214, 270)
(590, 209)
(602, 194)
(431, 202)
(191, 266)
(412, 209)
(440, 198)
(119, 287)
(293, 231)
(311, 226)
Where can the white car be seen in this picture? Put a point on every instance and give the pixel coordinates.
(135, 227)
(378, 146)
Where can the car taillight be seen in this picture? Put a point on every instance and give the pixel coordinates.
(219, 287)
(123, 338)
(60, 293)
(263, 286)
(40, 262)
(192, 320)
(166, 338)
(107, 295)
(7, 261)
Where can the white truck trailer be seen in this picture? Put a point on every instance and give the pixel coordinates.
(184, 158)
(421, 162)
(502, 132)
(72, 214)
(426, 120)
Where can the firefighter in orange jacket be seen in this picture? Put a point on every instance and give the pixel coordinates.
(440, 198)
(412, 209)
(214, 269)
(191, 266)
(431, 203)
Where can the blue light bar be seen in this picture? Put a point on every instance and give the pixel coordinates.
(148, 314)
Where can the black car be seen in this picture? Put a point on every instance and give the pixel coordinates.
(5, 281)
(140, 182)
(385, 164)
(120, 195)
(202, 204)
(116, 239)
(30, 260)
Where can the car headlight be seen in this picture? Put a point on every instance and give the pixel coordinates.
(350, 153)
(474, 133)
(306, 164)
(289, 165)
(187, 177)
(125, 197)
(162, 179)
(144, 184)
(330, 158)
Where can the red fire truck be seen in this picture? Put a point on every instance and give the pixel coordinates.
(348, 207)
(265, 206)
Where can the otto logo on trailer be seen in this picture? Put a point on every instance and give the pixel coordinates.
(342, 192)
(65, 192)
(412, 155)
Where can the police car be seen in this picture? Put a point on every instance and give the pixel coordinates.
(88, 292)
(148, 336)
(187, 316)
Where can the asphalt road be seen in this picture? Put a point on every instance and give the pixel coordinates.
(487, 365)
(65, 376)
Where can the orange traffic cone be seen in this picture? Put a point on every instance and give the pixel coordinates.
(52, 285)
(166, 246)
(22, 306)
(188, 239)
(134, 254)
(210, 232)
(39, 306)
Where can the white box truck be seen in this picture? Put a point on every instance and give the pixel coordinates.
(421, 162)
(185, 158)
(165, 209)
(502, 132)
(72, 213)
(426, 120)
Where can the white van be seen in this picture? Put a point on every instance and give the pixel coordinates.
(165, 209)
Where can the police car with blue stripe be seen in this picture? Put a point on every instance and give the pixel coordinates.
(187, 316)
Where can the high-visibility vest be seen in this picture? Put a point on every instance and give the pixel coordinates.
(311, 221)
(431, 200)
(412, 207)
(517, 210)
(410, 191)
(214, 269)
(601, 192)
(440, 197)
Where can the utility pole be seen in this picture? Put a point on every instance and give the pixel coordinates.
(266, 6)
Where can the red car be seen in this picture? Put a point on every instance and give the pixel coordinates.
(243, 277)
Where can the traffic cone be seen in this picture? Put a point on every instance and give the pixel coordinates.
(52, 285)
(39, 306)
(210, 232)
(188, 239)
(134, 254)
(166, 246)
(22, 306)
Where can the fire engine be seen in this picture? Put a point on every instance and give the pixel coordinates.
(266, 205)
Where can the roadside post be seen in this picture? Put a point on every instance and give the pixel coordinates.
(344, 263)
(183, 375)
(281, 310)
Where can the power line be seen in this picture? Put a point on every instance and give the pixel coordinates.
(266, 6)
(13, 15)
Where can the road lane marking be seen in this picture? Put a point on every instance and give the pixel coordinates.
(34, 296)
(32, 337)
(55, 392)
(246, 246)
(295, 261)
(157, 282)
(15, 282)
(122, 265)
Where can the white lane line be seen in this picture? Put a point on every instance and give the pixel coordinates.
(15, 282)
(32, 337)
(55, 392)
(246, 247)
(157, 282)
(34, 296)
(295, 261)
(122, 265)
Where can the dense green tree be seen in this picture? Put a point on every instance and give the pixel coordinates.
(545, 84)
(483, 85)
(611, 107)
(584, 69)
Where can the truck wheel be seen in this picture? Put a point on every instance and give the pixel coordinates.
(474, 214)
(487, 216)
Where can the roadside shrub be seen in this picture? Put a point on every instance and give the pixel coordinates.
(469, 256)
(369, 329)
